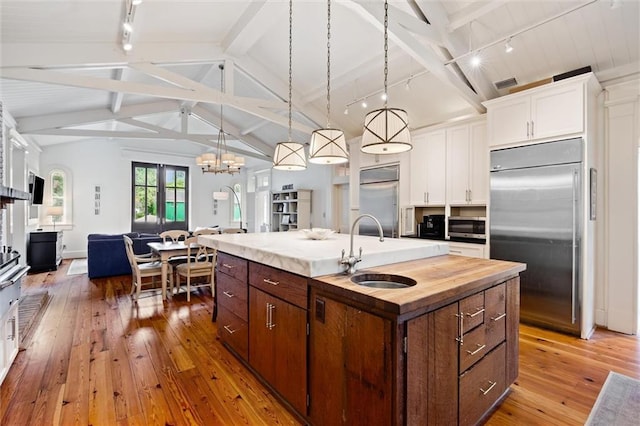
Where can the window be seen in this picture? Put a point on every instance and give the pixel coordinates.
(159, 197)
(237, 204)
(58, 194)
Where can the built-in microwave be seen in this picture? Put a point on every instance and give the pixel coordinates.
(467, 228)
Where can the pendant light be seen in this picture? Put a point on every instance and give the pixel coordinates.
(328, 146)
(289, 155)
(386, 130)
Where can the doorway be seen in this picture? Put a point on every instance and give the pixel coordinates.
(160, 196)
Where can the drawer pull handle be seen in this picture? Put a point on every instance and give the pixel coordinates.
(226, 293)
(484, 392)
(480, 347)
(226, 265)
(499, 317)
(455, 251)
(268, 281)
(477, 312)
(229, 330)
(460, 338)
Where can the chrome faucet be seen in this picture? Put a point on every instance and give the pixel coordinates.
(351, 261)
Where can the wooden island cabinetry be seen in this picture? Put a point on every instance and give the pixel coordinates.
(278, 331)
(443, 351)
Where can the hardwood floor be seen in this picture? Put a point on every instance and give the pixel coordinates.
(97, 358)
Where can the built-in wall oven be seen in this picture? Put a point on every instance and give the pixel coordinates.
(467, 229)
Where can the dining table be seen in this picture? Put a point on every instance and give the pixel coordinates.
(166, 250)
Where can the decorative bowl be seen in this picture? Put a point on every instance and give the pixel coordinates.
(317, 233)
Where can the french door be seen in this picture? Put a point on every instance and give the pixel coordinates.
(160, 197)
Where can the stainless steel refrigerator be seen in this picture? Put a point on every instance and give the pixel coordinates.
(536, 218)
(379, 197)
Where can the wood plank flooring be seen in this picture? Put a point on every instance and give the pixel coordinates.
(97, 358)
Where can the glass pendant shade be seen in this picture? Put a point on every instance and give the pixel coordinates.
(386, 131)
(289, 156)
(328, 146)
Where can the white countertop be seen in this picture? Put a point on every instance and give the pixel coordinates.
(293, 252)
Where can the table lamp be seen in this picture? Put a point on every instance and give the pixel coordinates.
(55, 212)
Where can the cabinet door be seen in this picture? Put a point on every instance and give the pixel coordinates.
(458, 165)
(436, 168)
(470, 250)
(350, 376)
(418, 182)
(508, 121)
(557, 111)
(478, 164)
(261, 336)
(290, 364)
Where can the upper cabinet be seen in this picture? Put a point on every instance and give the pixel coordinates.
(555, 111)
(428, 169)
(467, 164)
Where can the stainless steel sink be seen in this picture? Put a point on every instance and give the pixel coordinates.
(383, 280)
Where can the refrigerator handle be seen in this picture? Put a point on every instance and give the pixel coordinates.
(574, 188)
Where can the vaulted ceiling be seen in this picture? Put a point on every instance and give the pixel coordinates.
(66, 77)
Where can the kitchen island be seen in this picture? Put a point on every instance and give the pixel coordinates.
(442, 351)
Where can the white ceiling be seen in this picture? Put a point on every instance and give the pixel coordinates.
(65, 77)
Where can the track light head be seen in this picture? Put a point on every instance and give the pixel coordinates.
(508, 48)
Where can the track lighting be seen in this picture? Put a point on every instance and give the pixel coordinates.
(127, 26)
(346, 111)
(508, 48)
(136, 2)
(475, 60)
(364, 104)
(127, 46)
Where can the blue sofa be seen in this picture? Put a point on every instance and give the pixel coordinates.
(106, 255)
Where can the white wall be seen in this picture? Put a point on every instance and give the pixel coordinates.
(316, 178)
(108, 163)
(620, 248)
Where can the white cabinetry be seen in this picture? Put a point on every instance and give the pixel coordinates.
(538, 114)
(467, 249)
(428, 159)
(8, 339)
(467, 164)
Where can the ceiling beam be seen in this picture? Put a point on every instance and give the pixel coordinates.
(255, 21)
(37, 123)
(110, 55)
(455, 45)
(472, 12)
(116, 98)
(422, 54)
(202, 94)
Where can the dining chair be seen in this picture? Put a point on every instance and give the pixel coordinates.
(174, 236)
(141, 267)
(206, 231)
(201, 262)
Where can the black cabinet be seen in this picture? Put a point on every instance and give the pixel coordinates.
(45, 250)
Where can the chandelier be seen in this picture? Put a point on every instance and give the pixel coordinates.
(328, 145)
(386, 130)
(220, 161)
(289, 155)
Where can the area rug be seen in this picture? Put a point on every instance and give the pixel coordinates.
(77, 267)
(30, 310)
(618, 403)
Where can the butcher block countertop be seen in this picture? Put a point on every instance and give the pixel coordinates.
(440, 280)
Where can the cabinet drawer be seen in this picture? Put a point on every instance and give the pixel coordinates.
(481, 386)
(232, 266)
(289, 287)
(233, 331)
(472, 308)
(232, 295)
(474, 348)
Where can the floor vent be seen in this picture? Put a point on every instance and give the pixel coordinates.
(509, 82)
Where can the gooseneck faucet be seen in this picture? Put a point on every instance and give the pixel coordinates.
(351, 261)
